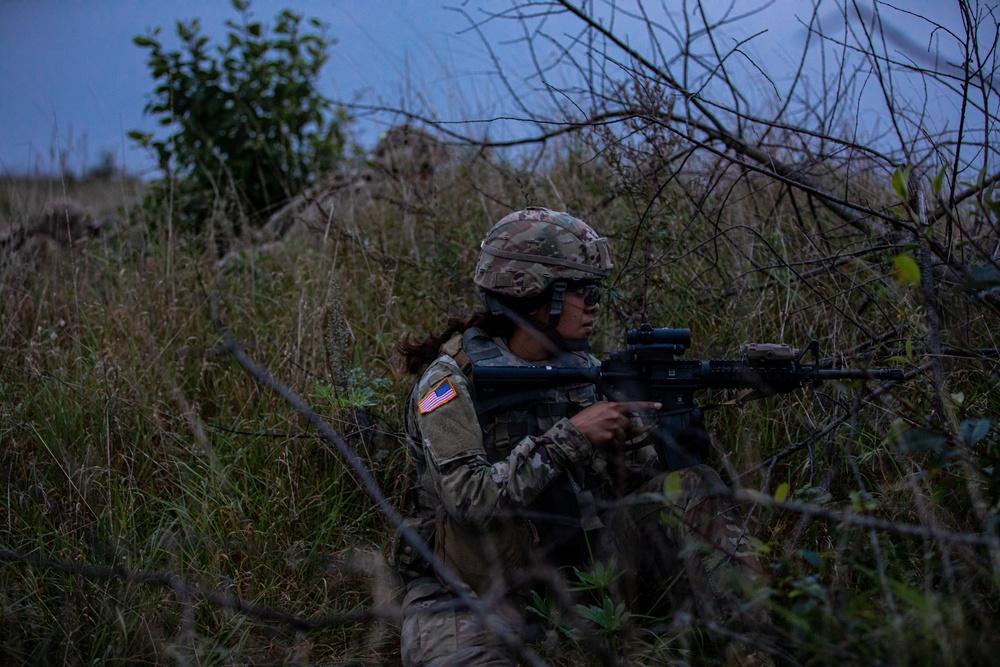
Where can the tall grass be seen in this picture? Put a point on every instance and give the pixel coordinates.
(159, 507)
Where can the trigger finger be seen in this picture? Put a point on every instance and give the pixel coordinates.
(639, 407)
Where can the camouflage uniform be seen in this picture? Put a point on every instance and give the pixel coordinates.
(506, 491)
(472, 505)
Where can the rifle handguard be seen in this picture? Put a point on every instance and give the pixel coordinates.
(648, 370)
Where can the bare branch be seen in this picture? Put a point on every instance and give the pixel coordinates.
(372, 488)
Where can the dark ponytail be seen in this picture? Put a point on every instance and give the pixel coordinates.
(415, 353)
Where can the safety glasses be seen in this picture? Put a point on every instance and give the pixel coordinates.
(590, 292)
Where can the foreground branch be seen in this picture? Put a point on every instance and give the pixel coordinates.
(371, 487)
(188, 592)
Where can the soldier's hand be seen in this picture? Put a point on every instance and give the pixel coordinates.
(607, 424)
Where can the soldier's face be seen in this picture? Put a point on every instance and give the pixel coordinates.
(577, 319)
(579, 311)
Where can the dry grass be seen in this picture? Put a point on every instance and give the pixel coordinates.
(132, 444)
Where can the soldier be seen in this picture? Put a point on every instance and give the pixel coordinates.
(407, 152)
(67, 222)
(504, 492)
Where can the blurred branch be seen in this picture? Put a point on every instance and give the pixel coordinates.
(371, 487)
(834, 424)
(185, 592)
(853, 518)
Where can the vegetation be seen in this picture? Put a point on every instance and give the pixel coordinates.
(248, 127)
(160, 505)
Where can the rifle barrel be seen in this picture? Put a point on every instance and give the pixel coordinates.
(519, 377)
(886, 374)
(718, 373)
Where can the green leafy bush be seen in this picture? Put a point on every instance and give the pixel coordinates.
(248, 127)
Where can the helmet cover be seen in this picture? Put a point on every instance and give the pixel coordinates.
(527, 251)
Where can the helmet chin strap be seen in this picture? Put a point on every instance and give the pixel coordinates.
(549, 336)
(552, 328)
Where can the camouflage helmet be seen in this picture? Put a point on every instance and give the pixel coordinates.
(527, 251)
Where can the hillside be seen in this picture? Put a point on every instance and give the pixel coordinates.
(161, 505)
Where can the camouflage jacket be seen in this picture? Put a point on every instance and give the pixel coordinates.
(482, 473)
(478, 465)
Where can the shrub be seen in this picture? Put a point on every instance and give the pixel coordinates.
(248, 127)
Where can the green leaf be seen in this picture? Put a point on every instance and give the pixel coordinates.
(915, 598)
(938, 181)
(990, 203)
(781, 493)
(922, 440)
(811, 557)
(142, 137)
(860, 503)
(672, 485)
(907, 271)
(983, 279)
(974, 430)
(540, 606)
(901, 182)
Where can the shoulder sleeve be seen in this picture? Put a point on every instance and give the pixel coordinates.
(472, 489)
(446, 414)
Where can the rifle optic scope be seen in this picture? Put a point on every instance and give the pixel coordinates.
(647, 335)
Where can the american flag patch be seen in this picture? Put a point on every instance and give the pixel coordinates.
(437, 397)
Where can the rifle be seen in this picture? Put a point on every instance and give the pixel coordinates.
(648, 370)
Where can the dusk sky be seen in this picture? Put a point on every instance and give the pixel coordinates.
(73, 81)
(71, 76)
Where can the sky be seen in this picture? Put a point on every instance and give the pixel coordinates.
(72, 81)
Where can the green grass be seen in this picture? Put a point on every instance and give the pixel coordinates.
(131, 443)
